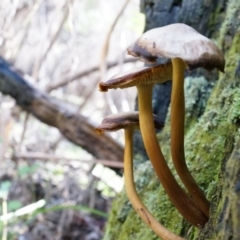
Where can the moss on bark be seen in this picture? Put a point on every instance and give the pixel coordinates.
(212, 144)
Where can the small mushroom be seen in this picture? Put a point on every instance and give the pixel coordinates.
(130, 121)
(187, 49)
(140, 76)
(144, 81)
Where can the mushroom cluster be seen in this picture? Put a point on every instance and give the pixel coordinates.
(187, 49)
(130, 122)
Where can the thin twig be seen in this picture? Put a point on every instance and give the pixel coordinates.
(5, 222)
(54, 38)
(60, 227)
(105, 47)
(66, 80)
(26, 24)
(55, 158)
(18, 148)
(104, 53)
(53, 146)
(88, 95)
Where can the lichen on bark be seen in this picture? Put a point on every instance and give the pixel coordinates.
(212, 143)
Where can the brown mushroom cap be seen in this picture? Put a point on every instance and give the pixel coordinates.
(119, 121)
(140, 76)
(179, 41)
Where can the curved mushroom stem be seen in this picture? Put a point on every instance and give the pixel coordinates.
(177, 195)
(177, 136)
(139, 207)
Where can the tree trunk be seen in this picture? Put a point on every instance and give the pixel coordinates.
(212, 136)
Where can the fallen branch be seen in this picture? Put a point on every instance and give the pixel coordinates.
(74, 127)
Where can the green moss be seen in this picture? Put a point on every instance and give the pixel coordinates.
(127, 224)
(212, 141)
(225, 38)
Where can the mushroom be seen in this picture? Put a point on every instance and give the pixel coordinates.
(159, 74)
(129, 122)
(144, 80)
(187, 49)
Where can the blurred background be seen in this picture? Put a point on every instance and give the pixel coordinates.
(50, 187)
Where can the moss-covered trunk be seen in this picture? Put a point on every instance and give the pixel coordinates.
(212, 137)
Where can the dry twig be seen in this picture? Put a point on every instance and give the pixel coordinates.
(55, 158)
(66, 80)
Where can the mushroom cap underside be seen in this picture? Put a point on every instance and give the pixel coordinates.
(119, 121)
(179, 41)
(140, 76)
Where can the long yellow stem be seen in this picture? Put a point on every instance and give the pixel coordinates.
(179, 198)
(136, 202)
(177, 136)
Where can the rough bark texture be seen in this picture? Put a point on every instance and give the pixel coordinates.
(212, 137)
(74, 127)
